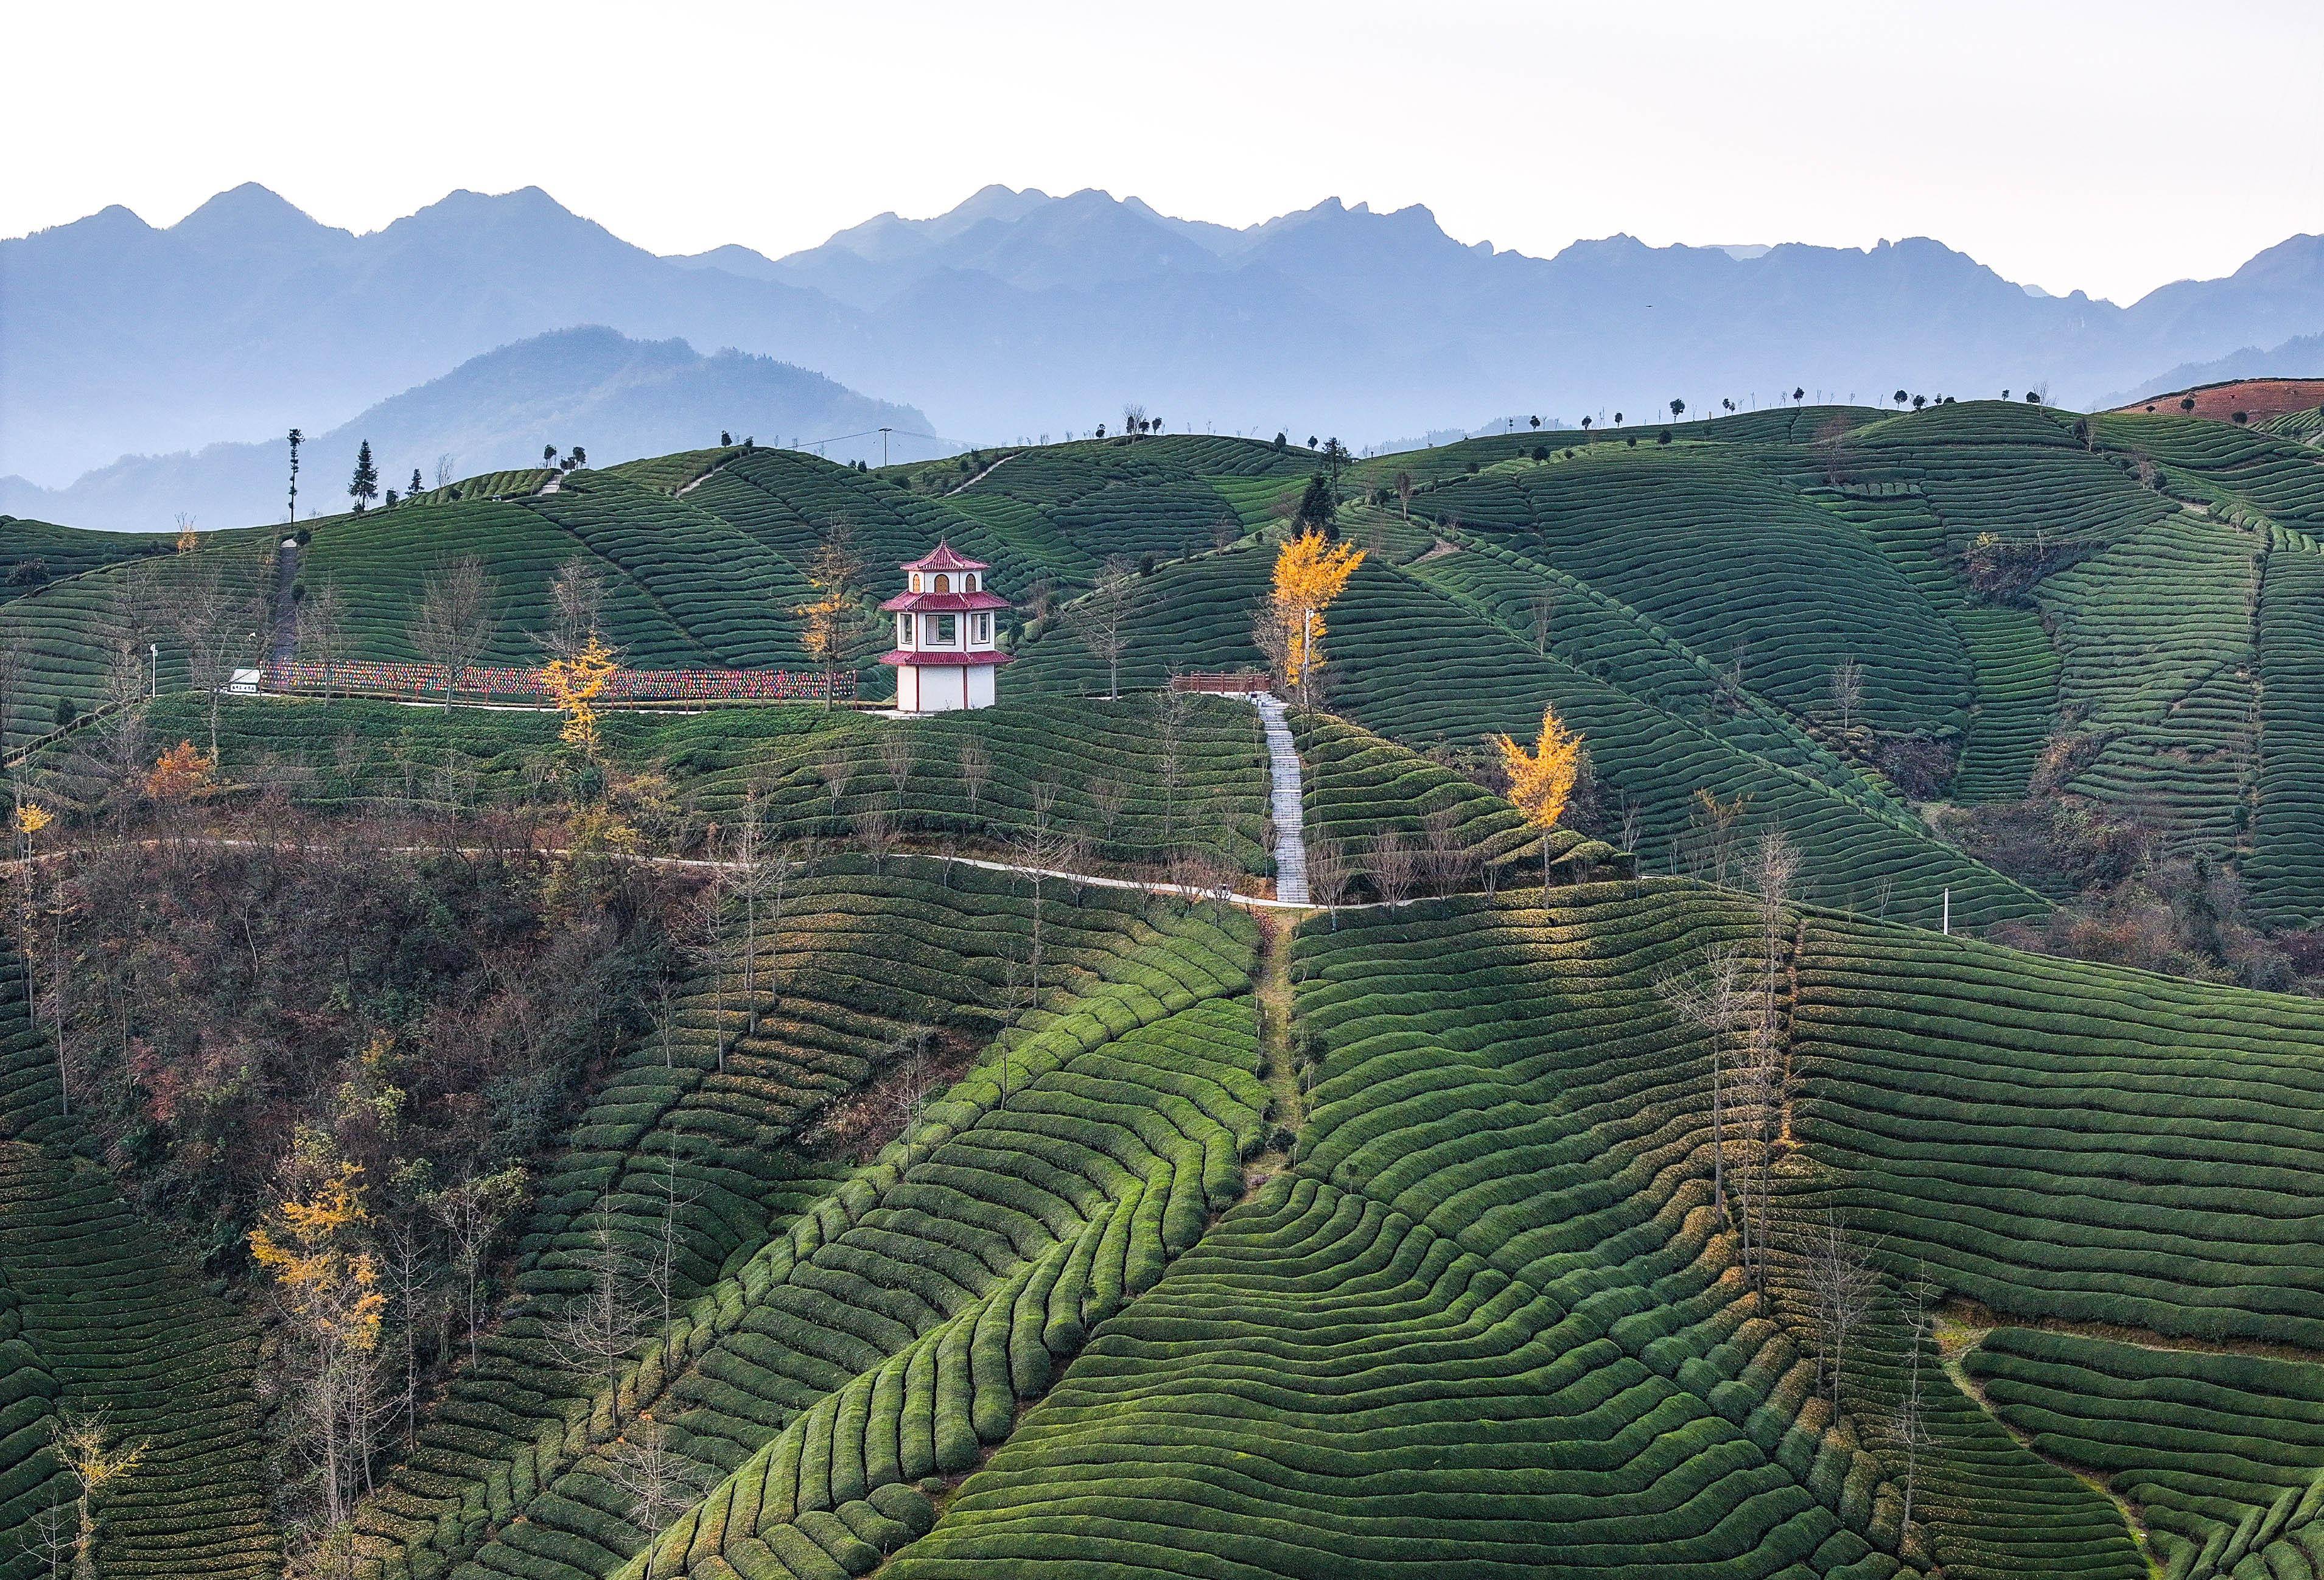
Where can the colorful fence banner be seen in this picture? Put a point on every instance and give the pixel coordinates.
(637, 685)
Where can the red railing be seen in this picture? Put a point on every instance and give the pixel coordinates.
(1238, 682)
(676, 686)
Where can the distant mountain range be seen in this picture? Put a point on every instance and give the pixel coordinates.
(618, 398)
(1018, 313)
(2300, 358)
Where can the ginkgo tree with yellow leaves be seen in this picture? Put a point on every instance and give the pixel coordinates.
(575, 680)
(1311, 571)
(1542, 780)
(315, 1247)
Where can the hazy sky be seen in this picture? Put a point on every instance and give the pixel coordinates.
(2110, 145)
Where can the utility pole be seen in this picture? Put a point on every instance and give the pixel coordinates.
(1949, 912)
(883, 445)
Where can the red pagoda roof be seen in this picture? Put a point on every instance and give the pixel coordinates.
(942, 658)
(946, 603)
(944, 557)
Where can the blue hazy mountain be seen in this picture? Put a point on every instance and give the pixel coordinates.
(616, 397)
(1020, 313)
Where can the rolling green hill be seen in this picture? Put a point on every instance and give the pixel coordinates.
(999, 1181)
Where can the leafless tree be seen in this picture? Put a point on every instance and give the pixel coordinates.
(906, 1095)
(897, 751)
(1393, 866)
(456, 620)
(836, 768)
(875, 831)
(1443, 853)
(47, 1538)
(576, 604)
(1271, 633)
(1405, 489)
(444, 463)
(1328, 874)
(1172, 710)
(1542, 605)
(1711, 999)
(472, 1213)
(1910, 1425)
(1761, 1090)
(660, 1273)
(975, 770)
(323, 632)
(1773, 864)
(1104, 623)
(1107, 796)
(1846, 691)
(657, 1484)
(1633, 813)
(1842, 1286)
(407, 1276)
(216, 612)
(599, 1328)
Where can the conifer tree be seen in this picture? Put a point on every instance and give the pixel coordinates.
(364, 486)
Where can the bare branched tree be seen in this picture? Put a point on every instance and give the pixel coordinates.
(836, 768)
(1447, 857)
(657, 1482)
(1393, 866)
(323, 632)
(1329, 875)
(1711, 999)
(975, 770)
(1103, 621)
(216, 614)
(1846, 691)
(594, 1335)
(1842, 1286)
(456, 620)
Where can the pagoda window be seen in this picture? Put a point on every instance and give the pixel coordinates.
(915, 581)
(944, 584)
(947, 627)
(984, 628)
(903, 630)
(968, 583)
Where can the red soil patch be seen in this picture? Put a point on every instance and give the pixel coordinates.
(2254, 398)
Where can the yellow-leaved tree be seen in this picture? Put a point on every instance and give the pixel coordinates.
(1311, 570)
(315, 1245)
(575, 680)
(829, 624)
(1541, 781)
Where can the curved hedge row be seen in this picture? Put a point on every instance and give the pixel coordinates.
(2219, 1452)
(1483, 1324)
(2062, 1140)
(2013, 669)
(863, 966)
(1732, 562)
(1423, 667)
(1105, 1164)
(2285, 870)
(100, 1315)
(2156, 638)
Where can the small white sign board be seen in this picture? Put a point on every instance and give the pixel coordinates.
(243, 682)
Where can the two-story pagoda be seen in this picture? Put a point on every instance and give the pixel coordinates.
(945, 655)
